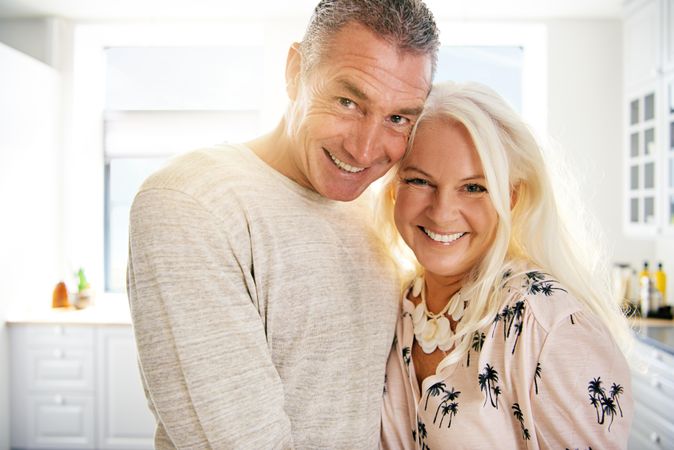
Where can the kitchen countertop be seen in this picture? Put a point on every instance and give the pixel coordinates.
(104, 311)
(658, 333)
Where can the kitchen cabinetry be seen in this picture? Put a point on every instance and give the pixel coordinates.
(653, 387)
(77, 387)
(649, 117)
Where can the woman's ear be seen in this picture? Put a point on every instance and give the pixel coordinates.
(514, 192)
(293, 66)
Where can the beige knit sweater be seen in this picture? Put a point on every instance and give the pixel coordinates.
(263, 312)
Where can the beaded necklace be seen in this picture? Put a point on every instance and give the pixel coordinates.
(434, 330)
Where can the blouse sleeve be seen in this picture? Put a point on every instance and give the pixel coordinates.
(397, 410)
(581, 396)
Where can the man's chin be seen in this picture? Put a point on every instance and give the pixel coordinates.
(343, 193)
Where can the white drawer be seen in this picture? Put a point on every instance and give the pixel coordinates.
(652, 427)
(51, 335)
(58, 369)
(61, 421)
(654, 393)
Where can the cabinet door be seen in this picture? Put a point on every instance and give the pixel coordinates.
(668, 157)
(61, 421)
(642, 42)
(643, 162)
(124, 419)
(668, 34)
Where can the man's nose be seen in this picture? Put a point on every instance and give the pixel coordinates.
(366, 143)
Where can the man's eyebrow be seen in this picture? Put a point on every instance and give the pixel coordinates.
(360, 95)
(412, 111)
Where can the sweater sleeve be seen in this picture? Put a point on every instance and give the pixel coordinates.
(201, 341)
(582, 397)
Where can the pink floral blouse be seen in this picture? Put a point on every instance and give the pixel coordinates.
(545, 374)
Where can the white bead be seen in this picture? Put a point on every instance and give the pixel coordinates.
(429, 330)
(418, 315)
(416, 288)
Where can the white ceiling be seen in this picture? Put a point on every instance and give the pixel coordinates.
(103, 10)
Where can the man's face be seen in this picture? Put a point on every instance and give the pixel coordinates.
(356, 113)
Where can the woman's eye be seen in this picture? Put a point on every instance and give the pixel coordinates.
(475, 188)
(415, 181)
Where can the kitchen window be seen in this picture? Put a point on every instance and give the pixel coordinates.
(145, 93)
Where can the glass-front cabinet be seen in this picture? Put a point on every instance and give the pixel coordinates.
(668, 159)
(642, 160)
(648, 50)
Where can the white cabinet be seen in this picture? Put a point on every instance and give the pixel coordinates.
(121, 394)
(653, 388)
(649, 118)
(642, 41)
(52, 379)
(77, 387)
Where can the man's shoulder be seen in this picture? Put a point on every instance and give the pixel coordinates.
(200, 168)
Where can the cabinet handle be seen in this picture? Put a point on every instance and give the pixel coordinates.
(655, 383)
(655, 438)
(58, 399)
(58, 353)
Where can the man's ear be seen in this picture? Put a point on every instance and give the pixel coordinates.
(293, 66)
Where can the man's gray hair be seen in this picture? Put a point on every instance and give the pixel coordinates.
(407, 24)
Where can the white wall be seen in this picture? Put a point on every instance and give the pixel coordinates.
(30, 195)
(30, 36)
(585, 117)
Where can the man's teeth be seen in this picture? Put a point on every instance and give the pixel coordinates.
(443, 237)
(344, 166)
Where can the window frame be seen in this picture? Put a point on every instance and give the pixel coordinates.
(84, 162)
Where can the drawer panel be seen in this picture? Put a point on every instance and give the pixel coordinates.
(655, 392)
(648, 360)
(49, 335)
(653, 427)
(59, 369)
(61, 421)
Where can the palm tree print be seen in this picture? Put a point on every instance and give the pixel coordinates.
(536, 282)
(488, 380)
(616, 391)
(406, 355)
(497, 319)
(506, 315)
(435, 390)
(422, 434)
(517, 412)
(606, 405)
(537, 374)
(448, 400)
(518, 320)
(477, 344)
(608, 408)
(451, 409)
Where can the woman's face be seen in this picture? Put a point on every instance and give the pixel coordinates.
(443, 210)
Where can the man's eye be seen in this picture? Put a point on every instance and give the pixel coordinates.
(346, 102)
(475, 188)
(399, 120)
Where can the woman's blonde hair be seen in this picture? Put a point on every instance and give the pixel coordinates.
(531, 226)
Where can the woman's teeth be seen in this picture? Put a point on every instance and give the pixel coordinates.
(344, 166)
(444, 238)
